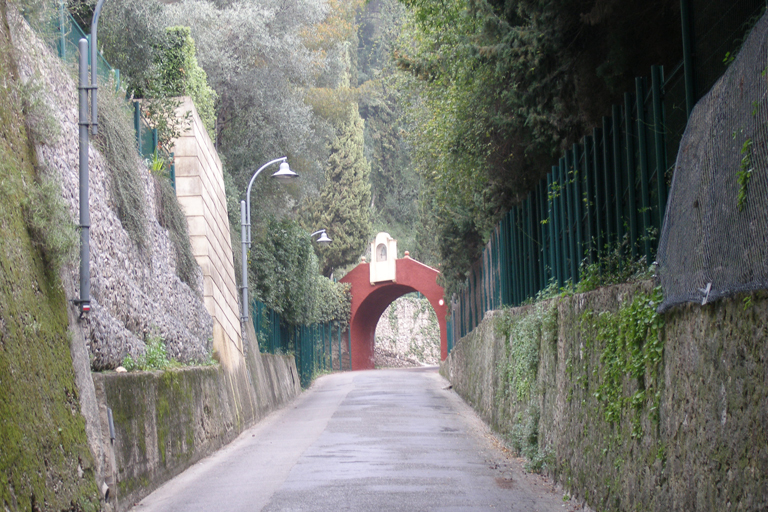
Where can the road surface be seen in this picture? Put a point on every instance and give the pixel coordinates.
(362, 441)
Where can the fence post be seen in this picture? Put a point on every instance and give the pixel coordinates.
(617, 185)
(658, 144)
(577, 212)
(519, 263)
(599, 201)
(608, 189)
(563, 216)
(137, 125)
(542, 234)
(339, 335)
(589, 197)
(558, 248)
(631, 175)
(551, 223)
(642, 149)
(172, 174)
(532, 263)
(62, 33)
(570, 216)
(503, 263)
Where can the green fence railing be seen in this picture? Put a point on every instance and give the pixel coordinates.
(316, 347)
(608, 193)
(67, 36)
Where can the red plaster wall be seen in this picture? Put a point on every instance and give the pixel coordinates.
(369, 302)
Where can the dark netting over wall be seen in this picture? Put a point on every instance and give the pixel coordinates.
(714, 241)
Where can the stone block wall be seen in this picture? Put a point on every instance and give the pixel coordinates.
(707, 450)
(200, 191)
(166, 421)
(135, 290)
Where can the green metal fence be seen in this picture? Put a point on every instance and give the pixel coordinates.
(608, 193)
(316, 347)
(67, 36)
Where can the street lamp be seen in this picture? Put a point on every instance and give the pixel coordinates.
(323, 238)
(284, 173)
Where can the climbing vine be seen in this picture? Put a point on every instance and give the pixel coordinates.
(523, 337)
(632, 348)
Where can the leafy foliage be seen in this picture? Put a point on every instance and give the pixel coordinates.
(523, 335)
(344, 202)
(632, 348)
(287, 277)
(155, 357)
(505, 85)
(180, 75)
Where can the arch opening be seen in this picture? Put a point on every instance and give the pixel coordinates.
(407, 334)
(369, 301)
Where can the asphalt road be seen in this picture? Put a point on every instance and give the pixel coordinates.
(362, 441)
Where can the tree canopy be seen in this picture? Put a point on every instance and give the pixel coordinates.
(503, 86)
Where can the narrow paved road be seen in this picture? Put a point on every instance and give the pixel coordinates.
(362, 441)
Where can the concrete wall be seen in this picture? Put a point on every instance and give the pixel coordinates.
(166, 421)
(706, 450)
(200, 191)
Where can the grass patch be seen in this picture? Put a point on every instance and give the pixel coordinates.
(171, 217)
(117, 142)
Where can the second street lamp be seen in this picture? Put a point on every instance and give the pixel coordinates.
(323, 239)
(283, 174)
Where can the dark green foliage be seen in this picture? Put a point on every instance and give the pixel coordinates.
(287, 277)
(343, 207)
(180, 75)
(506, 85)
(395, 183)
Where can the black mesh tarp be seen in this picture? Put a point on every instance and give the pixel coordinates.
(714, 241)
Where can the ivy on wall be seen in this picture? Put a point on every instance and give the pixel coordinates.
(631, 348)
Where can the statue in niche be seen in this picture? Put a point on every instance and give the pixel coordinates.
(381, 253)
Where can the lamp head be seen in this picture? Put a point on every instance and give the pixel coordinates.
(323, 239)
(284, 173)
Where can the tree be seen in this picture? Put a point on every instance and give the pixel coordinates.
(504, 86)
(343, 207)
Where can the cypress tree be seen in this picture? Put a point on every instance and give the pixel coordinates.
(343, 207)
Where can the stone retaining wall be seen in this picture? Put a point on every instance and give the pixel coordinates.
(166, 421)
(708, 449)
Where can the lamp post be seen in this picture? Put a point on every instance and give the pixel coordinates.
(283, 174)
(323, 239)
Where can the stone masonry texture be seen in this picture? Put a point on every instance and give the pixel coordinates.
(708, 450)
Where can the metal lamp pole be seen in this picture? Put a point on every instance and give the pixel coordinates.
(283, 174)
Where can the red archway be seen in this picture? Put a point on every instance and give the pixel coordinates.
(370, 300)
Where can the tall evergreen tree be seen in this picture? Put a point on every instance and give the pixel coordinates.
(343, 207)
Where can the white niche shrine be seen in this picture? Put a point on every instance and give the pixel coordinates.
(383, 256)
